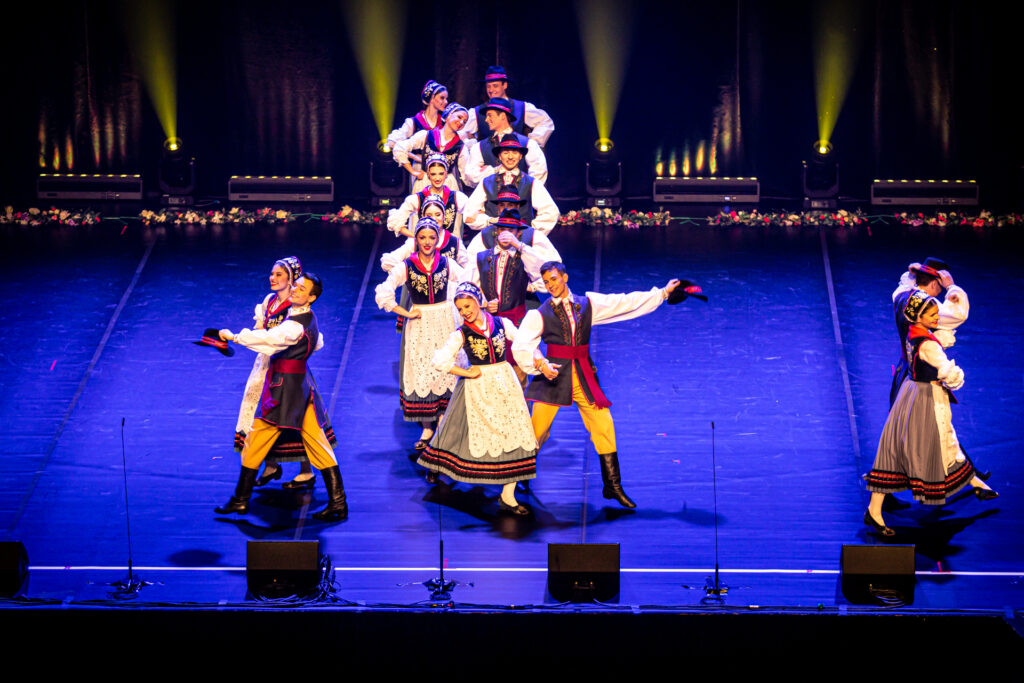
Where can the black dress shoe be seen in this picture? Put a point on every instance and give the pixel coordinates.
(298, 484)
(265, 478)
(519, 509)
(421, 445)
(880, 528)
(983, 475)
(234, 504)
(432, 476)
(985, 494)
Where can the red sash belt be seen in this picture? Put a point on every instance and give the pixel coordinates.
(516, 314)
(581, 354)
(287, 366)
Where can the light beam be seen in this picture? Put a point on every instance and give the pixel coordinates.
(376, 29)
(606, 28)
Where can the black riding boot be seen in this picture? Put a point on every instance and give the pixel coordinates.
(337, 507)
(243, 491)
(612, 480)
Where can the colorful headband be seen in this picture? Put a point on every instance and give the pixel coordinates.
(916, 305)
(451, 109)
(430, 88)
(431, 200)
(427, 224)
(469, 289)
(436, 160)
(292, 265)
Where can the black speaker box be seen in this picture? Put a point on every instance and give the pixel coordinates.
(13, 568)
(582, 572)
(878, 574)
(281, 569)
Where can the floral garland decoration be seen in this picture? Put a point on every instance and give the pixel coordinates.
(36, 217)
(596, 215)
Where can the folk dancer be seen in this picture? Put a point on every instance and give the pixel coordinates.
(289, 402)
(566, 374)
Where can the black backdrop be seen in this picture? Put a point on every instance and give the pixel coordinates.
(272, 88)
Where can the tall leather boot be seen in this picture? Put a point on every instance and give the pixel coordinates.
(337, 506)
(612, 480)
(243, 491)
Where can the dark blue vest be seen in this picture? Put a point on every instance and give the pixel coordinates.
(920, 371)
(513, 284)
(557, 331)
(427, 288)
(286, 390)
(524, 186)
(485, 349)
(491, 159)
(451, 209)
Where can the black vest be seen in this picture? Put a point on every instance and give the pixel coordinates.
(485, 349)
(450, 153)
(272, 321)
(427, 288)
(920, 371)
(514, 280)
(557, 331)
(286, 390)
(493, 185)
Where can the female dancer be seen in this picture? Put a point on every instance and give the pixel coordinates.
(485, 436)
(452, 201)
(424, 391)
(918, 449)
(434, 97)
(444, 141)
(268, 315)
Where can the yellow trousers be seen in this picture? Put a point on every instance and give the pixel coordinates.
(262, 436)
(597, 420)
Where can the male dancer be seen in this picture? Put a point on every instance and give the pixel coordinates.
(288, 402)
(526, 114)
(483, 156)
(563, 322)
(536, 206)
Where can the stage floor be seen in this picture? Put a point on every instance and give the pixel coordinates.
(790, 361)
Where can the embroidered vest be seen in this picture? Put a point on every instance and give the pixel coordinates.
(451, 151)
(557, 331)
(524, 186)
(920, 371)
(491, 159)
(513, 281)
(427, 287)
(485, 349)
(286, 390)
(451, 209)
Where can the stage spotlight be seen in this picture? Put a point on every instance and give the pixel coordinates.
(604, 175)
(177, 174)
(821, 177)
(388, 182)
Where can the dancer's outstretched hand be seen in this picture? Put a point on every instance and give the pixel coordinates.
(672, 284)
(227, 335)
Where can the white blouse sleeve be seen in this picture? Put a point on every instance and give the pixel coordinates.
(399, 218)
(527, 341)
(257, 315)
(393, 258)
(932, 354)
(539, 121)
(404, 147)
(384, 294)
(319, 341)
(402, 132)
(611, 308)
(511, 332)
(474, 213)
(545, 211)
(536, 162)
(444, 357)
(273, 340)
(954, 308)
(475, 170)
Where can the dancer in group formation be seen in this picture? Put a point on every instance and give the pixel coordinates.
(434, 97)
(444, 141)
(270, 313)
(424, 391)
(523, 114)
(485, 436)
(535, 204)
(289, 401)
(566, 375)
(918, 449)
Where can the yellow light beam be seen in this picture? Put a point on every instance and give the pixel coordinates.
(606, 29)
(150, 29)
(376, 29)
(836, 46)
